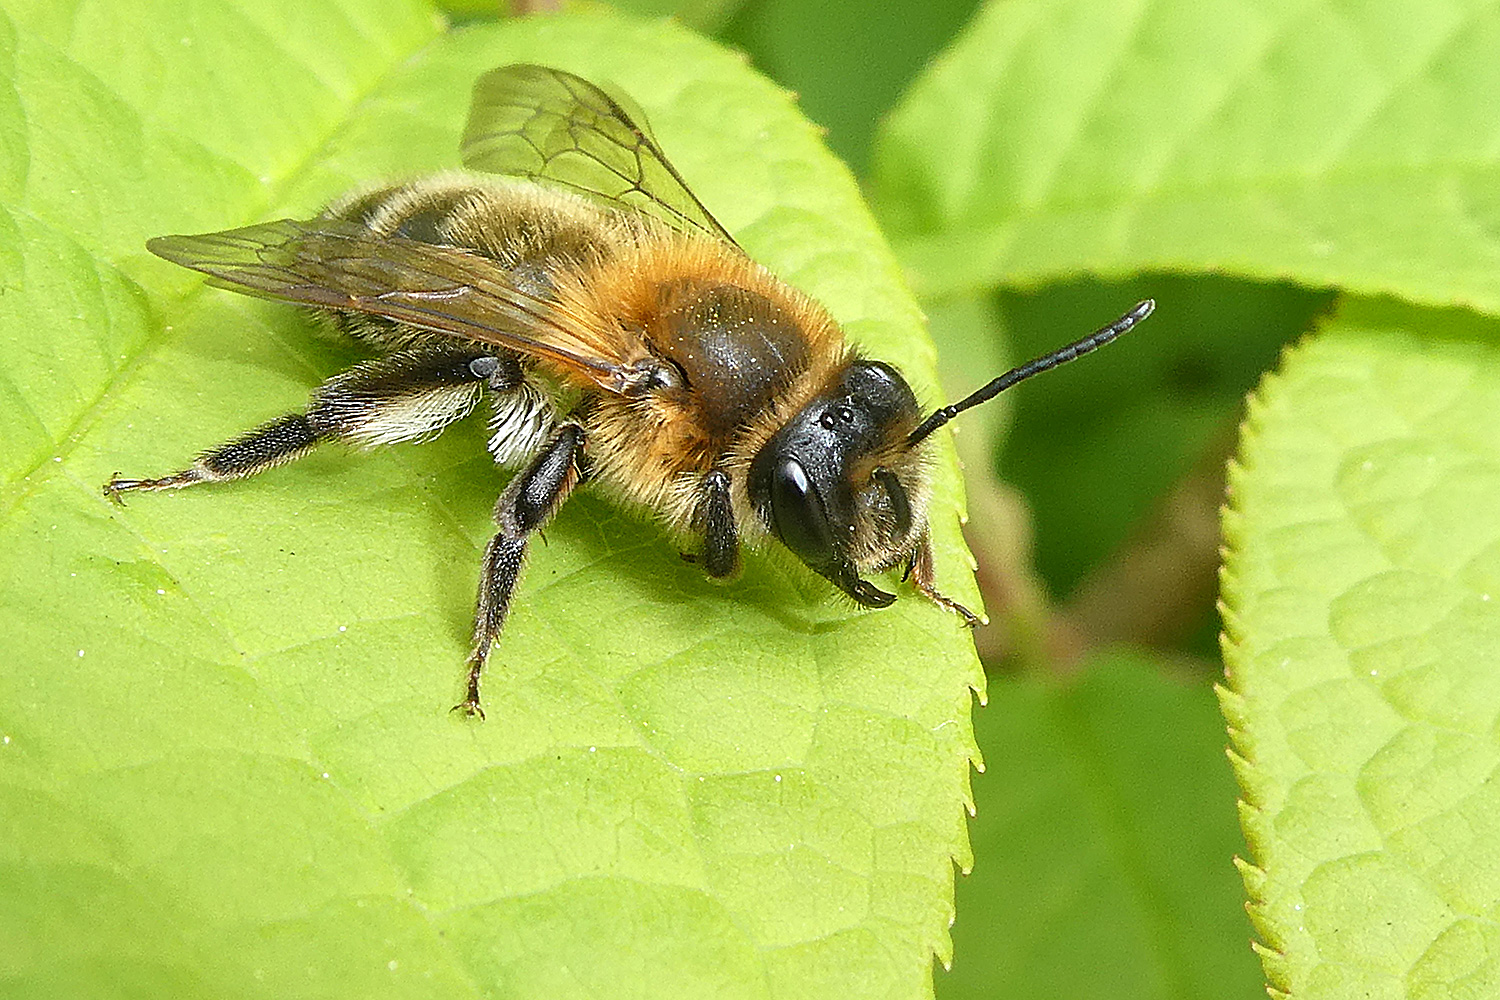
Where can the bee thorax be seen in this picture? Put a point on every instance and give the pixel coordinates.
(736, 348)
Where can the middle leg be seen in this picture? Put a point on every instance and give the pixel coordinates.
(526, 505)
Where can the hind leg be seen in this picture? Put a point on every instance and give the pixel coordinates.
(408, 395)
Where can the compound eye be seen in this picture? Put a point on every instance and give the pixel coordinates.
(798, 515)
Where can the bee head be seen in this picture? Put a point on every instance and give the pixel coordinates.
(841, 485)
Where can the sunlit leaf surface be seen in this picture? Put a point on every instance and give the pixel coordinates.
(1361, 586)
(227, 766)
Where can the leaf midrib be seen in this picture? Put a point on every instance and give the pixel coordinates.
(65, 444)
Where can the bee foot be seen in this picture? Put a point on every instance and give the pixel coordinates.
(116, 485)
(470, 708)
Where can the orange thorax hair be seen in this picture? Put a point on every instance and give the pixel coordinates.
(752, 351)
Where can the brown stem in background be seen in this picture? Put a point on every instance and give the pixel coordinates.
(520, 8)
(1155, 587)
(1151, 591)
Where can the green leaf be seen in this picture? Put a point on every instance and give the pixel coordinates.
(1363, 637)
(848, 86)
(1329, 143)
(705, 16)
(1104, 836)
(227, 765)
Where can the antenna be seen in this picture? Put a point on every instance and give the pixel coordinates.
(1036, 366)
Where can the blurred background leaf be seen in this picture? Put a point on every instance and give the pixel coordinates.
(847, 62)
(1328, 144)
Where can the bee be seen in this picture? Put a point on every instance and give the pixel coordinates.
(622, 337)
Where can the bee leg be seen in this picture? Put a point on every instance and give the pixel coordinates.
(400, 397)
(530, 500)
(715, 516)
(273, 443)
(920, 570)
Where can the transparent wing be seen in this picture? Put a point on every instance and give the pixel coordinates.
(549, 125)
(340, 265)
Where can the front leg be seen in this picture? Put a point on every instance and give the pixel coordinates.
(715, 521)
(920, 570)
(527, 503)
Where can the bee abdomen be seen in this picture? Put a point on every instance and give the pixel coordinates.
(533, 235)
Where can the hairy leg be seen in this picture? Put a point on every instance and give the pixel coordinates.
(715, 515)
(404, 396)
(526, 505)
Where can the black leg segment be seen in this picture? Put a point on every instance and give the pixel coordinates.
(526, 505)
(401, 397)
(270, 444)
(715, 516)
